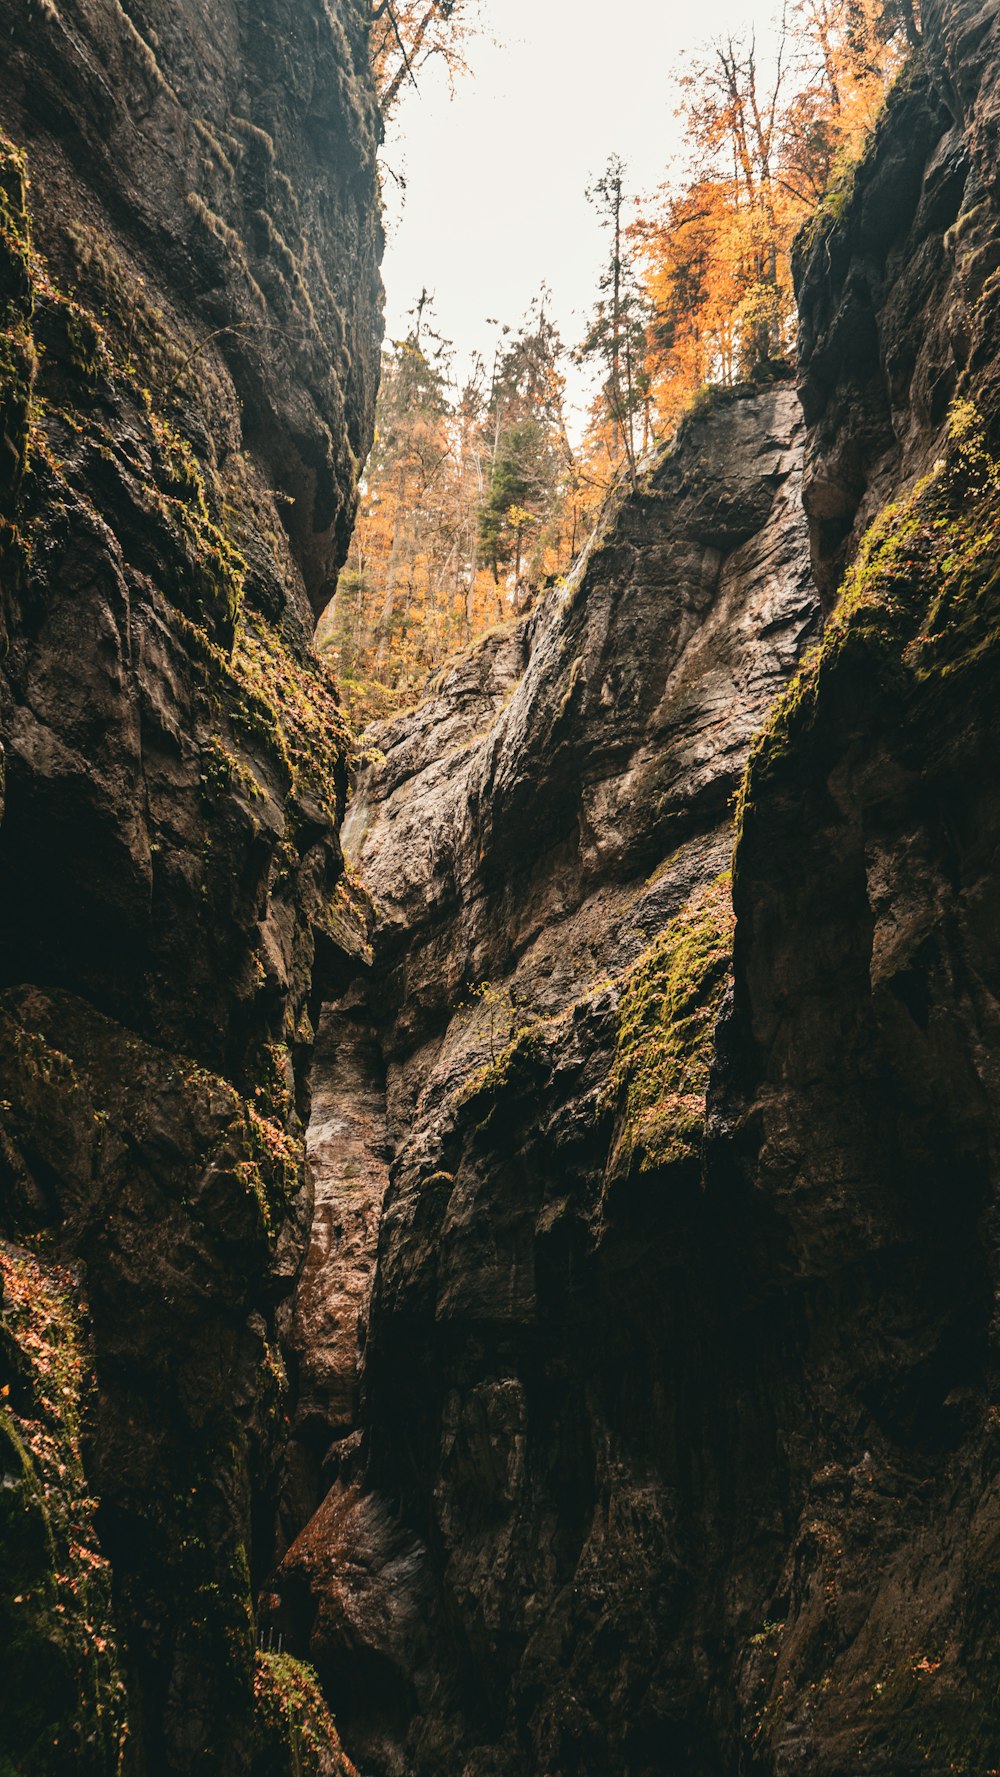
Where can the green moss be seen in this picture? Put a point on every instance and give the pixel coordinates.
(274, 1166)
(54, 352)
(290, 704)
(295, 1733)
(223, 771)
(78, 339)
(64, 1708)
(15, 235)
(262, 1156)
(275, 1094)
(669, 1004)
(920, 603)
(831, 209)
(714, 398)
(233, 1177)
(349, 917)
(144, 343)
(215, 568)
(519, 1052)
(18, 359)
(842, 186)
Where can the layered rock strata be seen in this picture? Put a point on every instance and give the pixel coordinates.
(188, 359)
(681, 1361)
(546, 842)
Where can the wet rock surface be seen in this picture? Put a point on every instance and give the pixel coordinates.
(643, 1361)
(528, 853)
(325, 1344)
(854, 1103)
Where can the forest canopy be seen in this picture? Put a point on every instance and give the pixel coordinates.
(476, 496)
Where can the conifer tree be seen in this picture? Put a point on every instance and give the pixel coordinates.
(616, 338)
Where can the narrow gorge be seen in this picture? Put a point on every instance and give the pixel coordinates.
(499, 1217)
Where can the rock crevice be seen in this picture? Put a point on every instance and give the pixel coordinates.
(681, 1350)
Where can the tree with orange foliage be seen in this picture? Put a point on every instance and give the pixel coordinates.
(767, 137)
(408, 33)
(474, 499)
(467, 507)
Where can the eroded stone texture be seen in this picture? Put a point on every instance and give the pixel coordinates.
(529, 854)
(349, 1162)
(188, 357)
(561, 800)
(854, 1120)
(699, 1436)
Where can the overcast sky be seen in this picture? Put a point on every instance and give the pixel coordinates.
(496, 175)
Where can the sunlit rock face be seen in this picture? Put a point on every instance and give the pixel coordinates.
(680, 1361)
(189, 333)
(518, 829)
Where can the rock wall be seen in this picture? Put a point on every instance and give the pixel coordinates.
(680, 1367)
(546, 843)
(853, 1124)
(643, 1364)
(190, 314)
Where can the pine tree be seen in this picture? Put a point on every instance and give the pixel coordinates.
(616, 339)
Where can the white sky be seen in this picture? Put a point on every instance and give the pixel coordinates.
(496, 175)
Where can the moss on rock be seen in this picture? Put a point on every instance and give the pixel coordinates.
(920, 603)
(290, 703)
(295, 1732)
(666, 1020)
(63, 1706)
(920, 1719)
(18, 362)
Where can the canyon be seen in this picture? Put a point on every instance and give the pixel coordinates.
(499, 1227)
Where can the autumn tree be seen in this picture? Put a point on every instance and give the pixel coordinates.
(767, 135)
(383, 594)
(406, 34)
(475, 496)
(465, 507)
(847, 51)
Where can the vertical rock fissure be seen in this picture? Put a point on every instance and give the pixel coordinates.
(348, 1157)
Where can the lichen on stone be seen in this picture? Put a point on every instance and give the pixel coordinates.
(18, 360)
(290, 703)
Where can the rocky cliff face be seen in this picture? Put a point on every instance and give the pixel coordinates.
(187, 371)
(853, 1126)
(679, 1360)
(547, 843)
(643, 1356)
